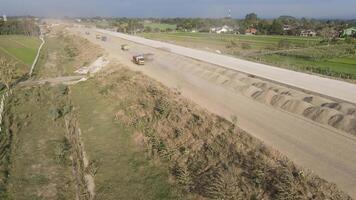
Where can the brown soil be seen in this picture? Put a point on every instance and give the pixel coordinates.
(339, 115)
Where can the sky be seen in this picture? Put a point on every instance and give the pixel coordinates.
(180, 8)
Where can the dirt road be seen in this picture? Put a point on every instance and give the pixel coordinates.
(332, 88)
(326, 151)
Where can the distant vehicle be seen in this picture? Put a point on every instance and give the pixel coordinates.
(139, 59)
(104, 38)
(98, 36)
(125, 47)
(87, 33)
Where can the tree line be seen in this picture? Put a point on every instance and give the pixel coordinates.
(26, 27)
(283, 25)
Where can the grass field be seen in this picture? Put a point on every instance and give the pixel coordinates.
(221, 40)
(38, 164)
(20, 51)
(123, 170)
(297, 53)
(160, 26)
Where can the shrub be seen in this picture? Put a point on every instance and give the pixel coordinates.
(284, 44)
(245, 46)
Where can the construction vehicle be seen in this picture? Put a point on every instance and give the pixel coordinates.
(87, 33)
(125, 47)
(139, 59)
(98, 36)
(103, 38)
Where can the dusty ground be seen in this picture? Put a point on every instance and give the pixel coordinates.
(301, 125)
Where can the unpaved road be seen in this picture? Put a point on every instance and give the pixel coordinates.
(326, 151)
(329, 87)
(54, 81)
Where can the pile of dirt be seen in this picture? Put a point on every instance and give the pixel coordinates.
(339, 115)
(207, 155)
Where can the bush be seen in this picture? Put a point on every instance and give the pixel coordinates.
(245, 46)
(71, 51)
(231, 44)
(284, 44)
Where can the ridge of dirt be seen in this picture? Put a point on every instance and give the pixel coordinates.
(337, 114)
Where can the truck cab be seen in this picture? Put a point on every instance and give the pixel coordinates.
(139, 59)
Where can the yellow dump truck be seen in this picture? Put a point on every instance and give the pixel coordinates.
(139, 59)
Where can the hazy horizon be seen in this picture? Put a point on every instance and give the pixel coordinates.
(321, 9)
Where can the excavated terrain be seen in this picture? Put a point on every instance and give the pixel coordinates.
(206, 154)
(338, 114)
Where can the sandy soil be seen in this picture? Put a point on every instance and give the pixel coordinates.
(308, 129)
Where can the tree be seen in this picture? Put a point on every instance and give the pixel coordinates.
(251, 19)
(327, 33)
(147, 29)
(7, 72)
(353, 34)
(276, 27)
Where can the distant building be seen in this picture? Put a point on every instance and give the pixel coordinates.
(287, 27)
(349, 32)
(4, 18)
(250, 31)
(308, 33)
(224, 29)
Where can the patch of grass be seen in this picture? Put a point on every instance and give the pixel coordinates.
(160, 26)
(221, 40)
(123, 171)
(20, 51)
(336, 67)
(21, 48)
(39, 161)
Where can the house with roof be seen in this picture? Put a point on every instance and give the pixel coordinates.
(250, 31)
(308, 33)
(223, 29)
(287, 27)
(3, 18)
(349, 32)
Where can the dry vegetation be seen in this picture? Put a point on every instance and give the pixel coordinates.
(207, 155)
(65, 53)
(35, 159)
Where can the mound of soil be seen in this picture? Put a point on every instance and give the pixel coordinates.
(339, 115)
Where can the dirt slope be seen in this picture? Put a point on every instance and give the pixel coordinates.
(206, 154)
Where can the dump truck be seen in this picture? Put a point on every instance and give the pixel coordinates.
(104, 38)
(125, 47)
(139, 59)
